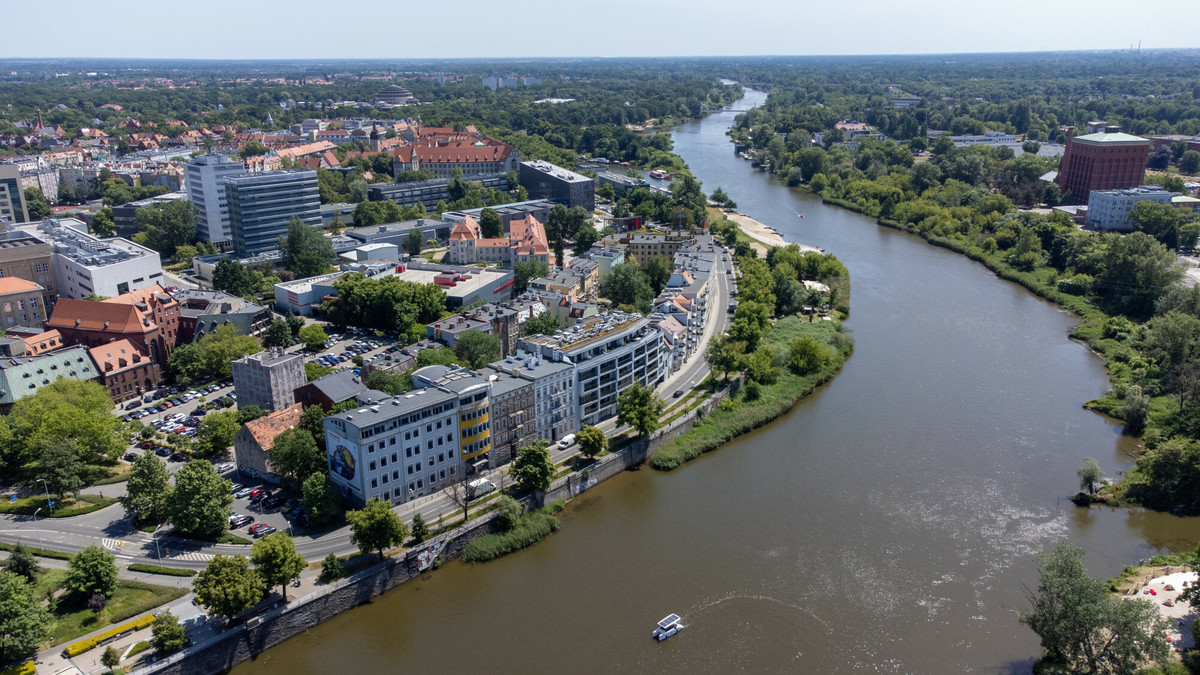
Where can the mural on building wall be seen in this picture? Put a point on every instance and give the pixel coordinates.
(342, 462)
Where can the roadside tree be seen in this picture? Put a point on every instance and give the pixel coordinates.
(533, 467)
(24, 620)
(60, 466)
(92, 571)
(147, 490)
(313, 336)
(376, 527)
(331, 569)
(420, 531)
(638, 407)
(591, 440)
(277, 561)
(65, 410)
(320, 499)
(227, 586)
(199, 506)
(22, 563)
(168, 636)
(110, 658)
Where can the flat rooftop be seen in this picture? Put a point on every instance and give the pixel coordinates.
(556, 171)
(590, 330)
(390, 407)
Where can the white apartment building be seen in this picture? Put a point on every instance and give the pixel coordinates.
(553, 392)
(609, 353)
(206, 176)
(1109, 209)
(396, 448)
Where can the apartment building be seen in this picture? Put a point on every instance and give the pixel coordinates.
(206, 176)
(22, 303)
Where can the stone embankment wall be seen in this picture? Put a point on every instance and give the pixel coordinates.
(278, 624)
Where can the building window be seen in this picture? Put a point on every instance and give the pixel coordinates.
(374, 483)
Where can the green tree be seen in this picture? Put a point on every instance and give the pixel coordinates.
(227, 586)
(491, 225)
(65, 410)
(276, 560)
(24, 620)
(167, 635)
(167, 225)
(1139, 271)
(420, 531)
(224, 346)
(313, 336)
(542, 324)
(1135, 410)
(216, 433)
(524, 272)
(92, 571)
(1089, 474)
(111, 658)
(320, 499)
(724, 354)
(295, 456)
(1189, 164)
(37, 205)
(331, 569)
(760, 365)
(584, 238)
(477, 348)
(60, 466)
(1085, 628)
(249, 413)
(278, 334)
(376, 527)
(533, 467)
(253, 148)
(658, 270)
(627, 284)
(314, 370)
(806, 355)
(413, 242)
(146, 492)
(103, 223)
(295, 322)
(638, 407)
(22, 563)
(390, 383)
(508, 512)
(232, 277)
(200, 503)
(305, 250)
(591, 440)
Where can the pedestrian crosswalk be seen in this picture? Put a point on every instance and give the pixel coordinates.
(199, 557)
(113, 544)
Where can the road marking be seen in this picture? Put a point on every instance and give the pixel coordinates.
(113, 544)
(198, 557)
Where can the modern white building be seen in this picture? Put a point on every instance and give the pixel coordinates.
(1109, 209)
(88, 265)
(395, 448)
(609, 353)
(206, 176)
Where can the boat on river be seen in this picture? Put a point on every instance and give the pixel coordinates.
(668, 627)
(659, 174)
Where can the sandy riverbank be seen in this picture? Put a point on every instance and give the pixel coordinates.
(1162, 587)
(764, 234)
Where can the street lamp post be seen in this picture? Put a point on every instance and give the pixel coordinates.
(156, 548)
(47, 487)
(39, 529)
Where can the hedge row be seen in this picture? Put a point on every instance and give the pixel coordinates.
(77, 648)
(26, 668)
(158, 569)
(39, 552)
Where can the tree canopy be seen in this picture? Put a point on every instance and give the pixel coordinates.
(305, 250)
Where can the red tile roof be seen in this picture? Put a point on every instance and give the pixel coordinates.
(266, 429)
(44, 342)
(17, 285)
(118, 355)
(113, 317)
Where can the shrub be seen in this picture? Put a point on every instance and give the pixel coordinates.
(75, 649)
(158, 569)
(529, 530)
(331, 569)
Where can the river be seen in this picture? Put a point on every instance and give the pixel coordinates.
(888, 523)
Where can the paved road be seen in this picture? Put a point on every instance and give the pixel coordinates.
(109, 528)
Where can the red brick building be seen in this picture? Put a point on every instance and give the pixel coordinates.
(148, 318)
(1104, 160)
(125, 370)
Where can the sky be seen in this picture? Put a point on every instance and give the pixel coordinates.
(296, 29)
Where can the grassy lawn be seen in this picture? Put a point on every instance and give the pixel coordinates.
(115, 474)
(72, 618)
(26, 506)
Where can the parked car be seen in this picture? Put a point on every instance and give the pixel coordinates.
(243, 493)
(163, 451)
(273, 502)
(258, 495)
(256, 527)
(225, 466)
(130, 456)
(265, 531)
(236, 488)
(240, 521)
(179, 457)
(199, 412)
(135, 403)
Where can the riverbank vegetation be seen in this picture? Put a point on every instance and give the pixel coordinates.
(783, 358)
(971, 200)
(519, 530)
